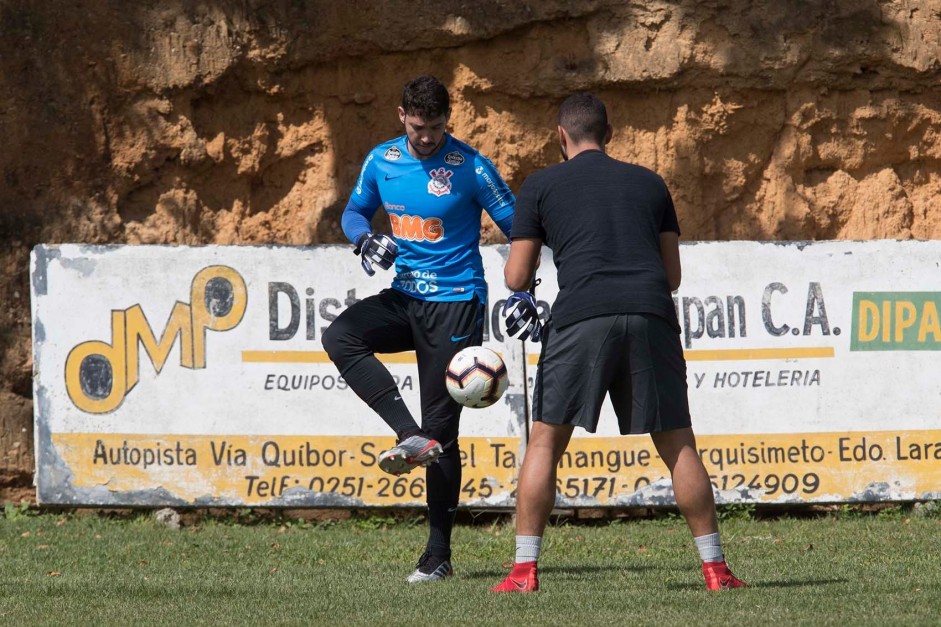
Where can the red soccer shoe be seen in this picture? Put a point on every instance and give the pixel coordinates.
(522, 578)
(719, 577)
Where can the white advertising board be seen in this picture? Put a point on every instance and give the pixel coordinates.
(813, 377)
(196, 376)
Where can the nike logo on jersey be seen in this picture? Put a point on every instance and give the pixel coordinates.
(393, 176)
(458, 339)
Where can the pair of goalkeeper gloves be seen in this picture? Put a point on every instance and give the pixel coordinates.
(520, 312)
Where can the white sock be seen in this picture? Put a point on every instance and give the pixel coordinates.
(710, 548)
(528, 548)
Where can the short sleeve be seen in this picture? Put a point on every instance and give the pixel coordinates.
(526, 221)
(669, 223)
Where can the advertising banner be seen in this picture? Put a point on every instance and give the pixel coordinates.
(197, 377)
(812, 374)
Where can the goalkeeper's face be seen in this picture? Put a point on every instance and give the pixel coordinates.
(425, 136)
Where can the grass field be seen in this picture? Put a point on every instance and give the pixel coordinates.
(842, 568)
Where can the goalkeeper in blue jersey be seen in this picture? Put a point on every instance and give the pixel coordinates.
(433, 188)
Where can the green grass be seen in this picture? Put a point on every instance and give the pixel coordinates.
(844, 568)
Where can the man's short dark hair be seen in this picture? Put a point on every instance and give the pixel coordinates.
(584, 118)
(426, 98)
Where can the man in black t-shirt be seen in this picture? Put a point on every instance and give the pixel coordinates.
(614, 236)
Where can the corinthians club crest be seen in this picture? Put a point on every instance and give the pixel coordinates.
(440, 183)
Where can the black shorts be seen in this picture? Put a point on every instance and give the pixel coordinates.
(392, 322)
(635, 358)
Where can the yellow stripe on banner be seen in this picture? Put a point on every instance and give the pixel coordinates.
(238, 469)
(313, 357)
(731, 354)
(743, 354)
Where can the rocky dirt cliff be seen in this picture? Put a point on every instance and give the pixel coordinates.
(245, 121)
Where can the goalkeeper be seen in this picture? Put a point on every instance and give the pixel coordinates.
(613, 331)
(434, 189)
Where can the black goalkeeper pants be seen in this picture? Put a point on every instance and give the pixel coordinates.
(391, 322)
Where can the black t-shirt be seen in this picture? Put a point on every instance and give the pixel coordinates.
(602, 218)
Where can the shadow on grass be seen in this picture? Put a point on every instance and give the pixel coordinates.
(560, 570)
(768, 584)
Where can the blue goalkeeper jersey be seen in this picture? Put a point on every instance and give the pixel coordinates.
(434, 206)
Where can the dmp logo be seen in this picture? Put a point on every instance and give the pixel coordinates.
(98, 376)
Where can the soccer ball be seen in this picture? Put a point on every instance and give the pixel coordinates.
(476, 377)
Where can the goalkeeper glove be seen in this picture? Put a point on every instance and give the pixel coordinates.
(376, 249)
(522, 317)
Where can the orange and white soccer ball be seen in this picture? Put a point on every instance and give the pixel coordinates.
(476, 377)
